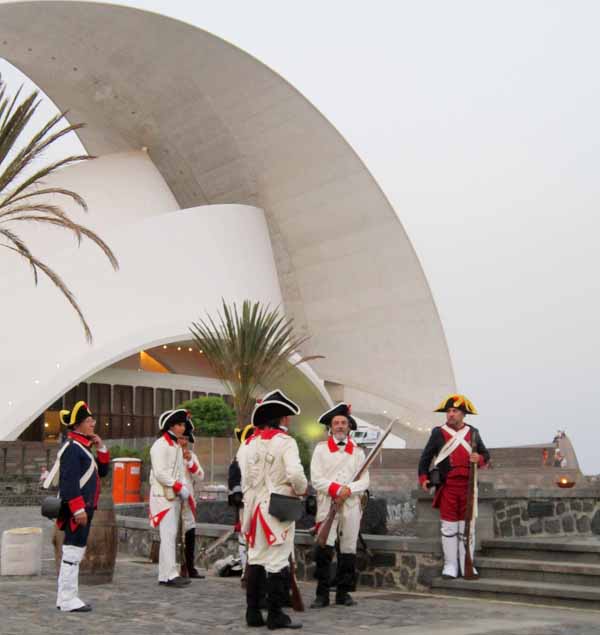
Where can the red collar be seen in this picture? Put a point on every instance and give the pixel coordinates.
(334, 447)
(168, 438)
(80, 438)
(268, 434)
(251, 437)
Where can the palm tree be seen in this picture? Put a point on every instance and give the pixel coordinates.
(22, 196)
(248, 349)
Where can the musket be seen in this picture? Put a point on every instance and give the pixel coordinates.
(297, 601)
(469, 573)
(205, 551)
(325, 527)
(184, 570)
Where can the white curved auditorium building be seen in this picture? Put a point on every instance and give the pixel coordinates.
(214, 179)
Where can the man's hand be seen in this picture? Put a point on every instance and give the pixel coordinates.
(344, 493)
(475, 457)
(184, 493)
(425, 486)
(187, 455)
(81, 519)
(96, 440)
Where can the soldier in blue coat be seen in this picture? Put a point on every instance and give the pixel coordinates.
(79, 488)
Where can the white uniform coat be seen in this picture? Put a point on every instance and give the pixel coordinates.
(270, 463)
(166, 477)
(332, 467)
(166, 480)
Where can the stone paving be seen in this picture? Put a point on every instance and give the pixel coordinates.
(134, 604)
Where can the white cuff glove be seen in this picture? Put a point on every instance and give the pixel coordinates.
(184, 493)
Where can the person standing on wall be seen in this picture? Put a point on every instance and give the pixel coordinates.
(451, 449)
(79, 490)
(167, 492)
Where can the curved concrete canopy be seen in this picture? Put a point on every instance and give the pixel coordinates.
(223, 128)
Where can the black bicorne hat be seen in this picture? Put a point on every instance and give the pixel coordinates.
(273, 406)
(74, 417)
(460, 402)
(189, 430)
(171, 417)
(341, 409)
(241, 434)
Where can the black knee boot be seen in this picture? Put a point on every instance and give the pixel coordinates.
(286, 591)
(190, 549)
(275, 590)
(345, 581)
(255, 589)
(323, 557)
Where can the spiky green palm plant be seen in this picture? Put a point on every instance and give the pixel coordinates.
(23, 197)
(248, 349)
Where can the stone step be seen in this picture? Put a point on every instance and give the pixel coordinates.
(575, 573)
(563, 550)
(545, 593)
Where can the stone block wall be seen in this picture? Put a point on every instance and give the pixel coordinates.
(407, 564)
(545, 516)
(523, 513)
(21, 491)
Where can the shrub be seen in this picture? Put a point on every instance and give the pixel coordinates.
(212, 417)
(121, 451)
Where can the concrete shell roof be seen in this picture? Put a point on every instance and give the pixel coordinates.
(221, 127)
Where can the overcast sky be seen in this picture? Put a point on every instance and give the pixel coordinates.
(480, 122)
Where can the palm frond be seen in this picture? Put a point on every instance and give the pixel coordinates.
(21, 247)
(247, 349)
(77, 229)
(22, 198)
(79, 200)
(62, 287)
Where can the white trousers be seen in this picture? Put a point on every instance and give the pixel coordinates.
(450, 539)
(168, 528)
(346, 527)
(273, 558)
(67, 598)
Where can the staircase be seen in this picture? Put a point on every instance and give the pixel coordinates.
(557, 572)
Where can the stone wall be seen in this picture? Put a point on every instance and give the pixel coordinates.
(545, 516)
(407, 564)
(522, 513)
(21, 491)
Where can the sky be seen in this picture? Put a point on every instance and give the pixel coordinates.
(479, 120)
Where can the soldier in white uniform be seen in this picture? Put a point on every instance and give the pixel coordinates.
(270, 464)
(167, 491)
(333, 465)
(192, 474)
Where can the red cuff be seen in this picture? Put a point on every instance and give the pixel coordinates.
(76, 504)
(103, 457)
(334, 488)
(482, 462)
(177, 487)
(193, 469)
(423, 478)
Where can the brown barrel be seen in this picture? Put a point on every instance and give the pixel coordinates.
(98, 565)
